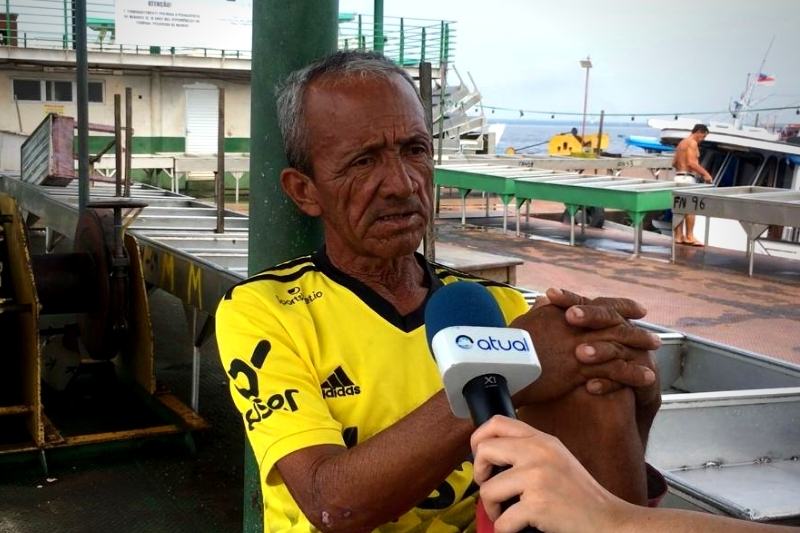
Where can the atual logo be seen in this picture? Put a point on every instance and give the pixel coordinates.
(490, 343)
(464, 341)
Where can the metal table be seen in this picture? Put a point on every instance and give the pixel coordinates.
(634, 196)
(181, 252)
(179, 166)
(755, 208)
(653, 163)
(494, 179)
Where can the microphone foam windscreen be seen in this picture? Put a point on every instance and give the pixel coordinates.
(463, 303)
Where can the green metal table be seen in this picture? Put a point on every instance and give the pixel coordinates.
(634, 196)
(493, 179)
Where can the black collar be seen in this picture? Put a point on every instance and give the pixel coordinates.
(376, 302)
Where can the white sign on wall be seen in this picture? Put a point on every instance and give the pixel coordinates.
(217, 24)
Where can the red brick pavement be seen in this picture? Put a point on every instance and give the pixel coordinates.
(707, 294)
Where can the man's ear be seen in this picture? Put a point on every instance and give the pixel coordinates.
(301, 189)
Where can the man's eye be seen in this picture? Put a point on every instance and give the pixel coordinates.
(419, 149)
(362, 161)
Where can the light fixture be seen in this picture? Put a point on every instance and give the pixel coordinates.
(587, 64)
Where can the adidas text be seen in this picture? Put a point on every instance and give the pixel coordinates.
(351, 390)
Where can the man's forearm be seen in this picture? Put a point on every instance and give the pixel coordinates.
(698, 168)
(380, 479)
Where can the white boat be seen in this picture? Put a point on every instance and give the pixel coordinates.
(737, 155)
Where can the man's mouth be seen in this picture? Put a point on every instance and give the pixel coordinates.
(397, 216)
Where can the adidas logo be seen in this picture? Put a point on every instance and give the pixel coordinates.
(338, 384)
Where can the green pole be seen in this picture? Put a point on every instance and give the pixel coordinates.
(359, 32)
(441, 43)
(82, 86)
(377, 26)
(402, 43)
(8, 24)
(66, 26)
(286, 36)
(422, 47)
(446, 43)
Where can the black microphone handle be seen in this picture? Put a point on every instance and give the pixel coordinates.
(486, 396)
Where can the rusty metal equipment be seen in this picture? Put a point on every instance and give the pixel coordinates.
(46, 155)
(97, 297)
(92, 281)
(75, 329)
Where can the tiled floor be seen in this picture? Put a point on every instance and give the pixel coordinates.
(706, 292)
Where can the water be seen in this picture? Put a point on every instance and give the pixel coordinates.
(521, 133)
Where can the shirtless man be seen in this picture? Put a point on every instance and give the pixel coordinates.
(687, 166)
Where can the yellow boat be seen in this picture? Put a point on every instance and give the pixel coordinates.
(570, 144)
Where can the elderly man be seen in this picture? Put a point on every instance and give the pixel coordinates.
(329, 366)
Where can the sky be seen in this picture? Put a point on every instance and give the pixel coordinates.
(648, 57)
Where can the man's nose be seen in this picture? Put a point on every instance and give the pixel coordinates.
(396, 179)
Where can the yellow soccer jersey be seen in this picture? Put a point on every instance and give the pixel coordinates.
(316, 357)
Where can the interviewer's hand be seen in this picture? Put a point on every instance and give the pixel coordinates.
(556, 493)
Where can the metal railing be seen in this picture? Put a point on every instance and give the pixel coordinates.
(49, 24)
(406, 41)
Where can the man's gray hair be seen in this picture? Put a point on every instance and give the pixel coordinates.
(291, 95)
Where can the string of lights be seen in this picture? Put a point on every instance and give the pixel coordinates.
(554, 114)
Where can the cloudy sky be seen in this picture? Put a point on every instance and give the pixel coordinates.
(648, 57)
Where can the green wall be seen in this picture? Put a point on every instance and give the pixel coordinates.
(152, 145)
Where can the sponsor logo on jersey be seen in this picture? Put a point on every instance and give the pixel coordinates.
(295, 295)
(338, 385)
(261, 409)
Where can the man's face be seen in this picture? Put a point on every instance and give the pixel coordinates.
(372, 167)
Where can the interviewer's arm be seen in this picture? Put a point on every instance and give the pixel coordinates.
(637, 519)
(558, 495)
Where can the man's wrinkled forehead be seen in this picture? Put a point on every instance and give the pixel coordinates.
(356, 81)
(334, 98)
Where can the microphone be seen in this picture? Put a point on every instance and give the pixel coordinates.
(482, 361)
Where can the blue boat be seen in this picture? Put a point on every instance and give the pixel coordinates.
(648, 144)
